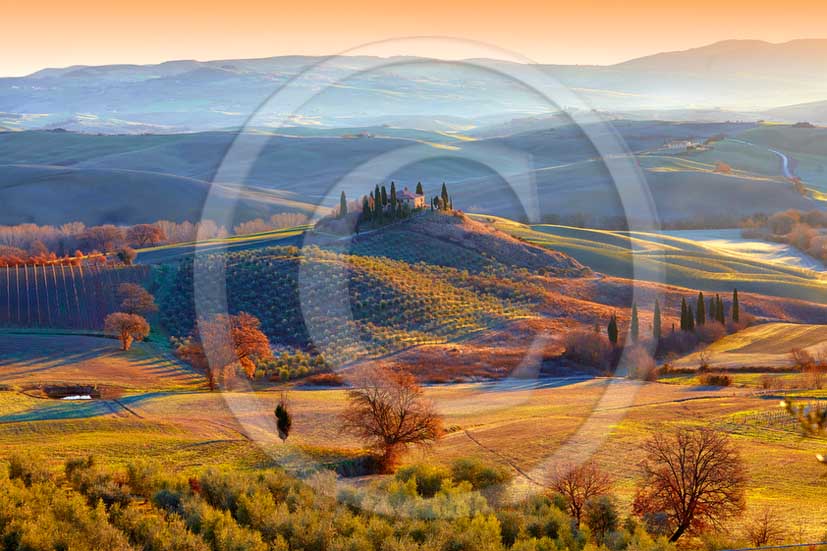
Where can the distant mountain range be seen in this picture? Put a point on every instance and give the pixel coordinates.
(726, 80)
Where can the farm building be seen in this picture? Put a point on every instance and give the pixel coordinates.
(413, 200)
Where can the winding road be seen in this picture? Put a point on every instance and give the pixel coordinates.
(785, 161)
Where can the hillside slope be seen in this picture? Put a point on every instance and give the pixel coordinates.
(433, 279)
(56, 195)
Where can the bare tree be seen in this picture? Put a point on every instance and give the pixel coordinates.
(224, 343)
(389, 410)
(127, 327)
(106, 238)
(694, 476)
(578, 484)
(764, 528)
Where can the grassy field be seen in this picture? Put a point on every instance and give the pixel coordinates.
(36, 359)
(762, 346)
(522, 426)
(682, 262)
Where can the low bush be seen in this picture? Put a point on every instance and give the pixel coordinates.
(429, 478)
(710, 332)
(677, 343)
(639, 364)
(588, 348)
(715, 379)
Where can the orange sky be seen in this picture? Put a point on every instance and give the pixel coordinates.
(55, 33)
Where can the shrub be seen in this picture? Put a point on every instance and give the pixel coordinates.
(588, 348)
(428, 478)
(710, 332)
(28, 469)
(678, 343)
(490, 480)
(601, 517)
(715, 379)
(639, 364)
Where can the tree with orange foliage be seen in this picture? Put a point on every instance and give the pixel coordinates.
(142, 235)
(695, 477)
(723, 168)
(226, 342)
(135, 299)
(388, 409)
(127, 327)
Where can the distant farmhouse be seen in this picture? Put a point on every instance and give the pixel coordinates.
(412, 200)
(683, 145)
(679, 145)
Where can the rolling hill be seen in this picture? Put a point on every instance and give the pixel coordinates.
(681, 262)
(299, 170)
(186, 96)
(55, 195)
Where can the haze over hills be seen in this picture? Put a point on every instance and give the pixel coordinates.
(150, 177)
(178, 96)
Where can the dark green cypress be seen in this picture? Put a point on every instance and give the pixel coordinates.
(611, 330)
(446, 201)
(719, 315)
(377, 204)
(700, 312)
(690, 319)
(384, 196)
(656, 323)
(342, 205)
(736, 307)
(365, 208)
(284, 421)
(419, 190)
(634, 329)
(684, 325)
(712, 310)
(393, 202)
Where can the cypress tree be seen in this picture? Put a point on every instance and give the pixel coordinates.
(419, 190)
(611, 330)
(712, 310)
(736, 307)
(377, 204)
(384, 197)
(656, 323)
(284, 420)
(690, 319)
(634, 330)
(342, 205)
(719, 314)
(365, 208)
(445, 198)
(700, 313)
(684, 325)
(393, 202)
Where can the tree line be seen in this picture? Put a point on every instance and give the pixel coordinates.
(32, 244)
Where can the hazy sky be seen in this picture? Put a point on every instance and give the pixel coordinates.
(56, 33)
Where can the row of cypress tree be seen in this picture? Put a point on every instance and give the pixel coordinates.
(711, 311)
(708, 311)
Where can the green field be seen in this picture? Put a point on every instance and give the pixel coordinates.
(681, 262)
(516, 426)
(763, 346)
